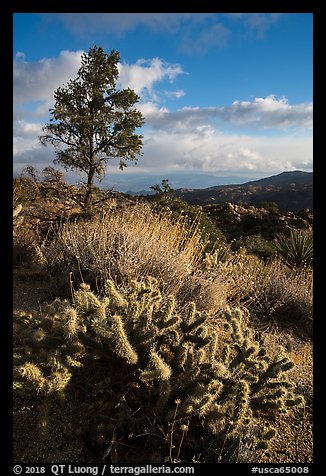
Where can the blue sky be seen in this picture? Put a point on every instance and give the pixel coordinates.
(226, 97)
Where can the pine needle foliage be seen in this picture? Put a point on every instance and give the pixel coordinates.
(155, 366)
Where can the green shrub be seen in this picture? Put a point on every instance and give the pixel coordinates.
(159, 381)
(271, 207)
(193, 217)
(256, 245)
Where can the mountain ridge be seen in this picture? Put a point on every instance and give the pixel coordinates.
(290, 190)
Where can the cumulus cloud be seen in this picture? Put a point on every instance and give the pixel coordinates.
(142, 75)
(212, 151)
(189, 139)
(37, 80)
(34, 83)
(25, 136)
(175, 94)
(202, 149)
(268, 112)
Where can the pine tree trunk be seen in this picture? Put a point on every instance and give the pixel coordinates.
(89, 189)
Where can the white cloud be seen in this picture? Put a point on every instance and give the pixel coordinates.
(120, 23)
(25, 136)
(211, 151)
(216, 35)
(186, 140)
(257, 23)
(189, 139)
(151, 109)
(268, 112)
(37, 80)
(202, 149)
(179, 93)
(142, 75)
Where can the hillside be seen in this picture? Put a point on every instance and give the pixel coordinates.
(133, 281)
(291, 191)
(237, 221)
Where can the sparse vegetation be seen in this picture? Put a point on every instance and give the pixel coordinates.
(272, 207)
(256, 245)
(126, 245)
(167, 346)
(192, 216)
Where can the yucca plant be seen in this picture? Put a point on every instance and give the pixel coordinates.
(297, 249)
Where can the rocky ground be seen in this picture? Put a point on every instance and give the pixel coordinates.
(236, 220)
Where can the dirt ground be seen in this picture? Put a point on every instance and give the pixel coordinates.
(60, 442)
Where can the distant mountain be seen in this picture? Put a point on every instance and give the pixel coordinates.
(291, 191)
(140, 192)
(195, 180)
(285, 178)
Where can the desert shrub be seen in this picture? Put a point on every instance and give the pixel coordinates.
(283, 296)
(26, 244)
(252, 223)
(49, 200)
(272, 207)
(46, 198)
(192, 216)
(273, 292)
(126, 245)
(158, 380)
(256, 245)
(17, 218)
(297, 249)
(306, 214)
(235, 274)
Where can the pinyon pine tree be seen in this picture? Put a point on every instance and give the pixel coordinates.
(93, 121)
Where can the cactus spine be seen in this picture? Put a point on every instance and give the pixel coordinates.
(168, 357)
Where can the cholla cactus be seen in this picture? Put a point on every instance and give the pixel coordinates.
(158, 356)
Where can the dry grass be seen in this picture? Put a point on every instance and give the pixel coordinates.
(284, 296)
(26, 244)
(131, 244)
(235, 274)
(273, 293)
